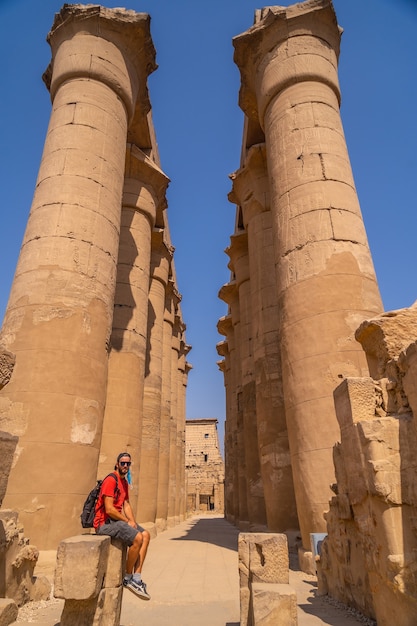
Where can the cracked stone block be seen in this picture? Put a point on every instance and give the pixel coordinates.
(115, 564)
(274, 605)
(109, 607)
(81, 567)
(263, 557)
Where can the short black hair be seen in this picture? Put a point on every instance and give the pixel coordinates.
(120, 456)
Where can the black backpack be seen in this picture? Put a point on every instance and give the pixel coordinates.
(89, 508)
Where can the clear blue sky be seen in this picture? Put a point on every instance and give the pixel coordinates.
(198, 125)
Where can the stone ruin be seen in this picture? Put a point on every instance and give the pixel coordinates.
(369, 558)
(18, 557)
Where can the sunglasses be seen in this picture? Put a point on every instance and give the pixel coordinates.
(128, 463)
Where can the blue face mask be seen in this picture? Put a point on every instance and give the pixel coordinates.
(129, 477)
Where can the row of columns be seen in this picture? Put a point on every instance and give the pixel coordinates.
(94, 315)
(302, 277)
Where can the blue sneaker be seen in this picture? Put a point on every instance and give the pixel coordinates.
(138, 588)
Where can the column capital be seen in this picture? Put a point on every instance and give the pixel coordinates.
(229, 292)
(225, 326)
(286, 45)
(250, 184)
(142, 172)
(172, 299)
(222, 349)
(239, 256)
(161, 256)
(185, 348)
(112, 46)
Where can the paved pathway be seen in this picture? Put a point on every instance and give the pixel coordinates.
(192, 576)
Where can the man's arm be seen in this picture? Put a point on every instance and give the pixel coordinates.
(129, 513)
(112, 511)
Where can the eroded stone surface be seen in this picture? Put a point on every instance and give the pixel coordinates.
(87, 555)
(8, 611)
(263, 558)
(7, 362)
(369, 557)
(18, 559)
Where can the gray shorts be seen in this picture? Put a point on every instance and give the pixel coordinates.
(120, 530)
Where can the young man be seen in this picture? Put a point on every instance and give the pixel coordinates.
(114, 517)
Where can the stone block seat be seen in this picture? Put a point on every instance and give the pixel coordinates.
(88, 576)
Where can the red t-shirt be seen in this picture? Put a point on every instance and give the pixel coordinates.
(108, 488)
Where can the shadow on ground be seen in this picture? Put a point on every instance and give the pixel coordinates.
(215, 530)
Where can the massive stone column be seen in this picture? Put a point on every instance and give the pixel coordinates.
(171, 302)
(59, 316)
(182, 377)
(172, 489)
(179, 418)
(151, 420)
(224, 349)
(229, 294)
(239, 264)
(231, 452)
(143, 201)
(251, 192)
(325, 276)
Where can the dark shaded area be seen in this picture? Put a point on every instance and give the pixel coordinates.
(215, 530)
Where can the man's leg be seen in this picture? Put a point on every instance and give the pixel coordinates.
(133, 553)
(136, 583)
(142, 552)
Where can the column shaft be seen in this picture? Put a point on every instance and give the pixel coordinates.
(164, 443)
(175, 349)
(239, 256)
(251, 192)
(229, 293)
(144, 191)
(151, 421)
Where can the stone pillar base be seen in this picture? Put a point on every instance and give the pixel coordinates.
(161, 525)
(151, 528)
(306, 561)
